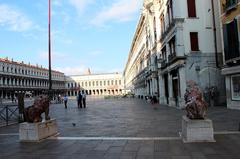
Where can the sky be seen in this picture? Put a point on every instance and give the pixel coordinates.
(93, 34)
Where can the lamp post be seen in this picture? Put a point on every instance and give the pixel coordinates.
(49, 48)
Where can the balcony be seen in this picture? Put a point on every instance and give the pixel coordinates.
(170, 27)
(230, 4)
(174, 57)
(163, 63)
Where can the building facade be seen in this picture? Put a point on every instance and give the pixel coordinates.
(20, 77)
(136, 66)
(180, 42)
(95, 84)
(230, 20)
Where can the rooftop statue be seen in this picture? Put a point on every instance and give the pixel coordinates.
(33, 113)
(196, 106)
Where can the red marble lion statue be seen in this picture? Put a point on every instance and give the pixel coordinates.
(196, 106)
(33, 113)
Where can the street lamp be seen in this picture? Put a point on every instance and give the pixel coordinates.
(49, 48)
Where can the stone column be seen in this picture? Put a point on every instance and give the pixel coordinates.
(151, 87)
(170, 90)
(162, 90)
(183, 86)
(1, 81)
(1, 95)
(14, 82)
(147, 87)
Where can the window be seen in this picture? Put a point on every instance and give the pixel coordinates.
(154, 29)
(170, 12)
(191, 8)
(235, 87)
(172, 46)
(194, 41)
(231, 40)
(162, 23)
(164, 53)
(119, 82)
(229, 5)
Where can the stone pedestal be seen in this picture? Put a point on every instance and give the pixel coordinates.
(197, 130)
(34, 132)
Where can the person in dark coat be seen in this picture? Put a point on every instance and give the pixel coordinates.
(79, 100)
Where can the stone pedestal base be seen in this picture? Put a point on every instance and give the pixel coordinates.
(34, 132)
(197, 130)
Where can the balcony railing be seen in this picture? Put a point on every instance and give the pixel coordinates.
(170, 26)
(172, 56)
(230, 4)
(163, 63)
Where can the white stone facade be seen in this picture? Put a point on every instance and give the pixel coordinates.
(173, 46)
(17, 76)
(95, 84)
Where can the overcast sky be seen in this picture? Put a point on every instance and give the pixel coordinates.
(93, 34)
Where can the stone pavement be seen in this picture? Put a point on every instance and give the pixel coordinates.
(226, 147)
(125, 129)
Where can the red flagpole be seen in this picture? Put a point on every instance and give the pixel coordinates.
(49, 45)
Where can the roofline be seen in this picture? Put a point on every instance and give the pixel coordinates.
(115, 73)
(26, 65)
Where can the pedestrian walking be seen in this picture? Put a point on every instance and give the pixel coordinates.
(65, 99)
(84, 99)
(79, 100)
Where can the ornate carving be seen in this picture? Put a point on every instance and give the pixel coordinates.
(196, 106)
(33, 113)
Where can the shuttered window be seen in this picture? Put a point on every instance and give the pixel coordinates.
(231, 40)
(194, 41)
(191, 8)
